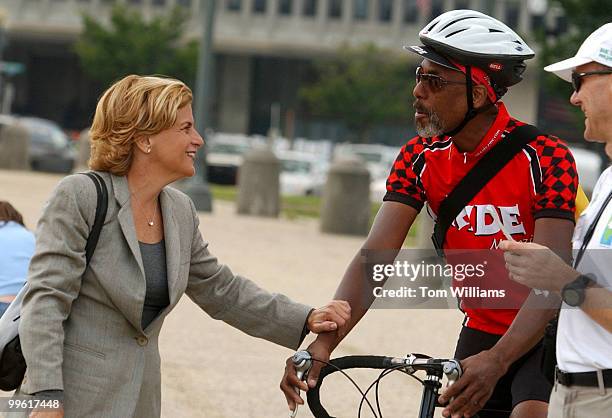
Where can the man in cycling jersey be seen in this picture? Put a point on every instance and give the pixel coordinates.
(469, 61)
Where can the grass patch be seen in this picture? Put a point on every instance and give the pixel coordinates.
(301, 206)
(227, 193)
(292, 207)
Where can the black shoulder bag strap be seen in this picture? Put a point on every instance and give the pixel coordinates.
(484, 170)
(12, 362)
(101, 208)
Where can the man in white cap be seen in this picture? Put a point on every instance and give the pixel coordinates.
(583, 386)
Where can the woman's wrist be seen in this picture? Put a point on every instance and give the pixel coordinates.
(54, 394)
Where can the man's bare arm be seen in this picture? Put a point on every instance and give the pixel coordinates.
(528, 326)
(388, 232)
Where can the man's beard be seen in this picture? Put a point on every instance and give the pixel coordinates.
(432, 127)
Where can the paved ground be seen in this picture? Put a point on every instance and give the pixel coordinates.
(212, 370)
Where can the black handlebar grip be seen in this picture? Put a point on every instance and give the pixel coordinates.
(342, 363)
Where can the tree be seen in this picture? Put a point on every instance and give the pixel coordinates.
(582, 17)
(131, 45)
(363, 87)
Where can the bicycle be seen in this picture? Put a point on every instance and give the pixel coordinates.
(435, 368)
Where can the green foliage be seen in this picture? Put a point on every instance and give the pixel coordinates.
(131, 45)
(583, 17)
(361, 86)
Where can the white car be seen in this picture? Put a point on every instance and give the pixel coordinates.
(301, 173)
(378, 158)
(224, 157)
(378, 190)
(589, 164)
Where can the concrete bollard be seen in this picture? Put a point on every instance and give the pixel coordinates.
(258, 184)
(14, 147)
(84, 152)
(346, 198)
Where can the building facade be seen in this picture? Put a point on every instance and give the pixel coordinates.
(262, 51)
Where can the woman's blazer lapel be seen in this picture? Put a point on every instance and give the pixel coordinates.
(173, 246)
(132, 289)
(133, 309)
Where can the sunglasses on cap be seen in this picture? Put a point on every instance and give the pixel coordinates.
(434, 81)
(577, 77)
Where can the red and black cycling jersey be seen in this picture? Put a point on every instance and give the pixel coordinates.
(539, 182)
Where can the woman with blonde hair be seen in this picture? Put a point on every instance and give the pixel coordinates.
(90, 335)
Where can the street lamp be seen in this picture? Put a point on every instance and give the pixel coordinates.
(197, 187)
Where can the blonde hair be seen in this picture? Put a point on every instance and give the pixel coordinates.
(133, 107)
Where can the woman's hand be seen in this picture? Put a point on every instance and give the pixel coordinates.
(329, 317)
(48, 413)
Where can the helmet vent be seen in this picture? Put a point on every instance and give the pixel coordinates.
(495, 31)
(455, 32)
(431, 27)
(457, 20)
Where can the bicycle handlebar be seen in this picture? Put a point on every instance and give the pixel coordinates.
(342, 363)
(410, 364)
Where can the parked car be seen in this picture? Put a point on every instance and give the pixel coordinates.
(378, 189)
(50, 148)
(224, 157)
(378, 158)
(301, 173)
(589, 164)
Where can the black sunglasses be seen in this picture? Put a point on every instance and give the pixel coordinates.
(577, 77)
(434, 81)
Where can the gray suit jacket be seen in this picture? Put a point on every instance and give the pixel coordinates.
(81, 329)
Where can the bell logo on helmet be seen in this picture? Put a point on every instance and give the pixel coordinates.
(496, 66)
(418, 50)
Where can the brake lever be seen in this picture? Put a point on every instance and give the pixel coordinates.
(452, 370)
(302, 360)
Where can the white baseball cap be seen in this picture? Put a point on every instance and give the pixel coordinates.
(596, 48)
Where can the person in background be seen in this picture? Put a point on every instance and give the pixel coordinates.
(16, 249)
(583, 381)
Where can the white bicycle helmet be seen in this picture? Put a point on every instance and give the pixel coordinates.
(474, 39)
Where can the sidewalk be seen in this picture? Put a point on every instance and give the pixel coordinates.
(212, 370)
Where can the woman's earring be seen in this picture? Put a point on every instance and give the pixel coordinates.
(149, 149)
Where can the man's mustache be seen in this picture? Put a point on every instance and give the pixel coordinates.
(420, 108)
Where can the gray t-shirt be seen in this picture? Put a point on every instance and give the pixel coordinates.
(157, 297)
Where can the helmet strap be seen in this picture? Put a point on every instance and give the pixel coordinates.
(471, 112)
